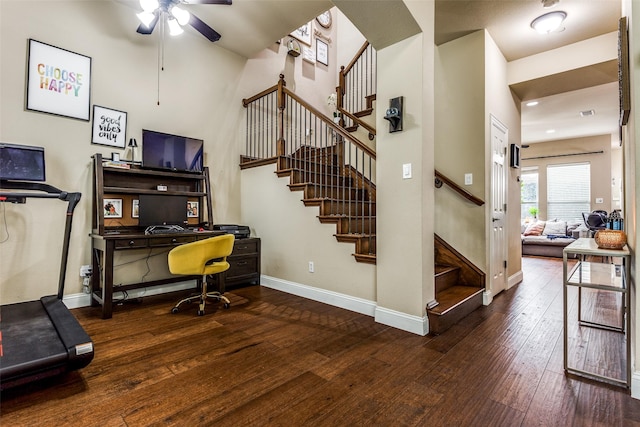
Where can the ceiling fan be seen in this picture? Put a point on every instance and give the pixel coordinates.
(177, 16)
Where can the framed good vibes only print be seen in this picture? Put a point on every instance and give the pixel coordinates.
(58, 81)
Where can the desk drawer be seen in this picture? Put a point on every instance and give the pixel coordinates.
(241, 266)
(244, 246)
(131, 243)
(170, 241)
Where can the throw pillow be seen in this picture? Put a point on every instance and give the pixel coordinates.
(555, 227)
(535, 229)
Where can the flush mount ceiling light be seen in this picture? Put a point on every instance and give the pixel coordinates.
(532, 103)
(549, 22)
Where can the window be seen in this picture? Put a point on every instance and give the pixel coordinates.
(529, 193)
(568, 191)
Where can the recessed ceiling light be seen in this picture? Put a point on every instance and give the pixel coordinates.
(549, 22)
(551, 131)
(532, 103)
(587, 113)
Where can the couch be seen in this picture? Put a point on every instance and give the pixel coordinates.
(549, 238)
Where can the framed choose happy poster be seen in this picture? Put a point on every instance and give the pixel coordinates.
(58, 81)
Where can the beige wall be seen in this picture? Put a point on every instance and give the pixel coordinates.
(600, 166)
(460, 143)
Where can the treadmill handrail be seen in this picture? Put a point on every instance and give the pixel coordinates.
(49, 192)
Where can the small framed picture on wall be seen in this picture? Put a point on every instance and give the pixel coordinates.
(322, 52)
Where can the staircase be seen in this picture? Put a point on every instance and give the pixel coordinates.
(336, 174)
(459, 286)
(334, 170)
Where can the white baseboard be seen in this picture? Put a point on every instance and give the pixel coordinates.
(514, 279)
(403, 321)
(335, 299)
(635, 385)
(84, 300)
(487, 297)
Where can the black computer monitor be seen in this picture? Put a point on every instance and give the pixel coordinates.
(21, 162)
(161, 209)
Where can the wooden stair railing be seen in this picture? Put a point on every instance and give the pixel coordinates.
(356, 90)
(334, 170)
(441, 179)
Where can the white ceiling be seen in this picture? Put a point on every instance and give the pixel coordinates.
(508, 23)
(249, 26)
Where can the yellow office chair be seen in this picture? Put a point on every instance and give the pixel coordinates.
(204, 257)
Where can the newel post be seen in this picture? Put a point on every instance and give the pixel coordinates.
(280, 144)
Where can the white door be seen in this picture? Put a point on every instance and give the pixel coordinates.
(498, 238)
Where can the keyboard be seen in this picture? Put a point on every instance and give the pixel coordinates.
(164, 229)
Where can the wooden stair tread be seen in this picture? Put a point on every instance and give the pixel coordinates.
(453, 296)
(441, 269)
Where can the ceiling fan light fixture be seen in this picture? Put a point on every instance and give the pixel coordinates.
(174, 28)
(149, 5)
(549, 3)
(181, 15)
(549, 22)
(146, 18)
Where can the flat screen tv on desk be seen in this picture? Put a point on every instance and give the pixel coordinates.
(160, 209)
(172, 152)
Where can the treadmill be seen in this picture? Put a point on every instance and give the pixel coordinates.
(38, 338)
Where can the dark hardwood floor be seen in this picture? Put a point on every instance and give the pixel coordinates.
(276, 359)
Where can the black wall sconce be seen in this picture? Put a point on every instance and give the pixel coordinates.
(394, 114)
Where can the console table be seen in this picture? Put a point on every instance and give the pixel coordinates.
(609, 277)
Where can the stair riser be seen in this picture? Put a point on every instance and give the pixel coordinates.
(344, 193)
(301, 177)
(439, 324)
(365, 225)
(446, 280)
(345, 208)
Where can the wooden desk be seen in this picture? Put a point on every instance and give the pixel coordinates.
(104, 247)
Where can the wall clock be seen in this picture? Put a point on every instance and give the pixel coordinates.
(324, 19)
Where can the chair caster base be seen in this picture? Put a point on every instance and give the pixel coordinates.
(200, 313)
(174, 310)
(227, 305)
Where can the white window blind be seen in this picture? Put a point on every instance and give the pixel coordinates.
(568, 191)
(528, 192)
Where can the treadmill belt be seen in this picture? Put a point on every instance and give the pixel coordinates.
(30, 342)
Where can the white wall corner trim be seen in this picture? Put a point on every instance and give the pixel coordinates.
(84, 300)
(514, 279)
(487, 297)
(403, 321)
(635, 385)
(335, 299)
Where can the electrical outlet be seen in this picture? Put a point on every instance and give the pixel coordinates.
(311, 267)
(85, 270)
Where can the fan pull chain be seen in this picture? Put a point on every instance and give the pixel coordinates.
(160, 55)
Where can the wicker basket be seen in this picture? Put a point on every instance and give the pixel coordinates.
(610, 239)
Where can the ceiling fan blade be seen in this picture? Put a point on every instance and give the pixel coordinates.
(143, 29)
(204, 29)
(227, 2)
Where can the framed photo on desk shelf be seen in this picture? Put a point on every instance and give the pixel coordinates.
(192, 209)
(135, 208)
(112, 208)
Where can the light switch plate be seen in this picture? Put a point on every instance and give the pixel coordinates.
(468, 179)
(406, 171)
